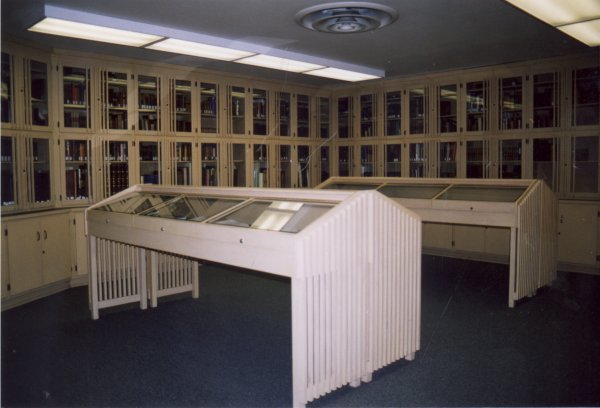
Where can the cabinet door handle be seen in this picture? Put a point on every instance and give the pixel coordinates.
(45, 235)
(38, 235)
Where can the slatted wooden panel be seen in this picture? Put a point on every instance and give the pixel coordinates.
(170, 274)
(355, 306)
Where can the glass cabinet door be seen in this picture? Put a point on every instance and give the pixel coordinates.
(238, 165)
(260, 110)
(283, 113)
(475, 160)
(447, 108)
(150, 162)
(237, 114)
(76, 97)
(6, 93)
(302, 115)
(9, 171)
(417, 109)
(183, 164)
(303, 166)
(345, 117)
(181, 105)
(116, 166)
(38, 93)
(511, 103)
(77, 169)
(368, 160)
(546, 100)
(324, 164)
(368, 115)
(586, 96)
(393, 160)
(477, 106)
(210, 164)
(260, 168)
(416, 160)
(209, 108)
(148, 103)
(114, 100)
(510, 159)
(393, 113)
(584, 164)
(447, 163)
(40, 159)
(324, 131)
(285, 166)
(545, 161)
(345, 160)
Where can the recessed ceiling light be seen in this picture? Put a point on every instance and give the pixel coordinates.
(284, 64)
(344, 75)
(346, 17)
(199, 50)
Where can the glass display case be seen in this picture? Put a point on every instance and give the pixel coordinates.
(209, 153)
(260, 112)
(38, 92)
(150, 161)
(302, 115)
(475, 159)
(304, 179)
(416, 159)
(368, 160)
(260, 165)
(447, 108)
(114, 91)
(284, 179)
(447, 159)
(510, 160)
(182, 163)
(477, 100)
(393, 113)
(368, 115)
(586, 96)
(77, 165)
(76, 97)
(116, 166)
(344, 117)
(238, 165)
(9, 172)
(181, 105)
(393, 160)
(237, 110)
(283, 104)
(511, 103)
(545, 161)
(40, 170)
(345, 161)
(324, 130)
(6, 93)
(546, 100)
(417, 109)
(209, 109)
(584, 164)
(148, 103)
(324, 163)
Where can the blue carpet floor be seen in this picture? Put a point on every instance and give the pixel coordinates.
(232, 346)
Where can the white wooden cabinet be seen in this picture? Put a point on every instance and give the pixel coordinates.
(38, 251)
(578, 229)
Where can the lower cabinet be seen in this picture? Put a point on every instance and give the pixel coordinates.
(36, 251)
(578, 232)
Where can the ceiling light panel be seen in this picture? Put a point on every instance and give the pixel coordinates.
(342, 74)
(559, 12)
(284, 64)
(84, 31)
(199, 50)
(587, 32)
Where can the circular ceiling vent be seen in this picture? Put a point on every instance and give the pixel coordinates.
(346, 17)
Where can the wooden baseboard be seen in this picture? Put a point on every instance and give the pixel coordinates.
(34, 294)
(470, 256)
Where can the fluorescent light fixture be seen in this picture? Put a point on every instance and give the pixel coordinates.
(587, 32)
(577, 18)
(284, 64)
(66, 28)
(342, 74)
(199, 49)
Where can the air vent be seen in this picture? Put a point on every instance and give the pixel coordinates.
(346, 17)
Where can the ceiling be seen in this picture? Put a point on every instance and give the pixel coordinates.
(428, 36)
